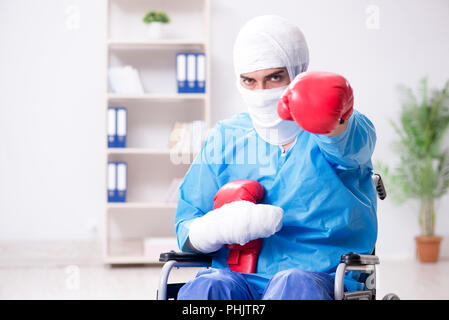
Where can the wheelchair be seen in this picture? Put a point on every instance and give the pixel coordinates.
(365, 264)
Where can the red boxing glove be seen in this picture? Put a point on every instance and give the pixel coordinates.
(317, 101)
(241, 258)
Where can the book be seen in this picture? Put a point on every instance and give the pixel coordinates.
(187, 137)
(175, 134)
(125, 80)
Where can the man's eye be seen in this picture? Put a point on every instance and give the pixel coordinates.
(248, 81)
(276, 78)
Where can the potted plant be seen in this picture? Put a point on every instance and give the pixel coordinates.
(423, 169)
(155, 21)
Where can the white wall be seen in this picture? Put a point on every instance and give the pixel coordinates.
(51, 118)
(50, 77)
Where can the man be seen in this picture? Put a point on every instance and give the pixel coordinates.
(319, 200)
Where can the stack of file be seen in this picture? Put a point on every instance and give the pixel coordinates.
(191, 72)
(173, 191)
(187, 136)
(125, 80)
(117, 181)
(117, 127)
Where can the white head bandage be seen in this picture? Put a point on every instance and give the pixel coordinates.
(270, 42)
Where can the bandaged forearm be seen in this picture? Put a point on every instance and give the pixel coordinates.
(235, 222)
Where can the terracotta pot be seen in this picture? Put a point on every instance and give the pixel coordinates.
(428, 248)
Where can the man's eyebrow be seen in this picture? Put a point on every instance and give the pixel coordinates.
(267, 76)
(274, 73)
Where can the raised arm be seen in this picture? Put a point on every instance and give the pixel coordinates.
(322, 104)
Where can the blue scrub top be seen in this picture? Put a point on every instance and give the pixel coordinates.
(323, 184)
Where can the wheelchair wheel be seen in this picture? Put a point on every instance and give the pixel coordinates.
(391, 296)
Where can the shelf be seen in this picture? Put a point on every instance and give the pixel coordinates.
(132, 252)
(130, 260)
(145, 151)
(156, 96)
(141, 205)
(113, 44)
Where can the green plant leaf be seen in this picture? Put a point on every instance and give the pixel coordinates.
(423, 170)
(156, 16)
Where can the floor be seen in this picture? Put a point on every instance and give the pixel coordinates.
(75, 271)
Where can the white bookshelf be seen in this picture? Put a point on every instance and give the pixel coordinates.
(155, 43)
(157, 96)
(141, 205)
(151, 117)
(143, 151)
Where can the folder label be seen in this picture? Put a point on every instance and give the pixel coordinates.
(111, 128)
(121, 127)
(121, 176)
(191, 71)
(111, 181)
(117, 181)
(181, 72)
(201, 73)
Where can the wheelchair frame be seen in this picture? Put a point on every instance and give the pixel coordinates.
(348, 262)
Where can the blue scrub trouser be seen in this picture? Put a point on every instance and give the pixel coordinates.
(291, 284)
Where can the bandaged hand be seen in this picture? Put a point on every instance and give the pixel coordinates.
(235, 222)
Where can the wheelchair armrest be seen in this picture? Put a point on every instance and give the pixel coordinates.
(380, 188)
(355, 259)
(360, 262)
(185, 257)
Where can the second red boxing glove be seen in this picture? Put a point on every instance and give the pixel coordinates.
(317, 101)
(241, 258)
